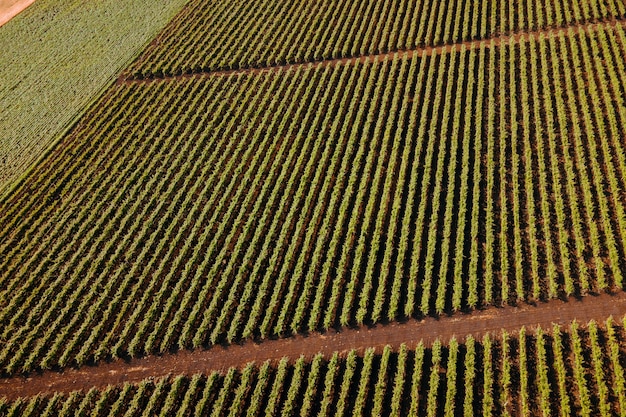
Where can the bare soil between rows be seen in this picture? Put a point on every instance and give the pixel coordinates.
(494, 41)
(11, 8)
(219, 358)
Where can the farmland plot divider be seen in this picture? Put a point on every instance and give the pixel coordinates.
(447, 329)
(491, 42)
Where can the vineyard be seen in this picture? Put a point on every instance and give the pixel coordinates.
(43, 89)
(269, 169)
(558, 371)
(189, 218)
(259, 33)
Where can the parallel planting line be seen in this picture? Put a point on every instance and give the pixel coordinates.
(489, 42)
(460, 326)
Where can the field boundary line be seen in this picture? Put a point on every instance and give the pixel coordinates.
(492, 320)
(493, 41)
(13, 10)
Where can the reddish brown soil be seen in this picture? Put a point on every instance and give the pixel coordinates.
(426, 51)
(219, 358)
(11, 8)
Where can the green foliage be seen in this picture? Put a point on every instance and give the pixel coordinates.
(523, 374)
(346, 383)
(542, 373)
(505, 381)
(599, 375)
(433, 382)
(561, 371)
(279, 40)
(470, 375)
(214, 209)
(58, 57)
(381, 382)
(399, 382)
(580, 372)
(619, 382)
(332, 371)
(451, 377)
(488, 400)
(424, 380)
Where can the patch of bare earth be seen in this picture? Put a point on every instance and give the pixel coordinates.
(411, 332)
(11, 8)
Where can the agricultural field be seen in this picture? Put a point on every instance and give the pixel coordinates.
(272, 169)
(272, 33)
(557, 371)
(57, 56)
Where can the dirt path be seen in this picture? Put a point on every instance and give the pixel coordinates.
(429, 50)
(11, 8)
(460, 325)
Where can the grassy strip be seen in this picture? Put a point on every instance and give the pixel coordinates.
(57, 58)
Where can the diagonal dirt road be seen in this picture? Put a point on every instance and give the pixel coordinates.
(11, 8)
(478, 323)
(493, 41)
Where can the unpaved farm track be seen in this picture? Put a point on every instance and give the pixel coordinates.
(493, 41)
(460, 325)
(11, 8)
